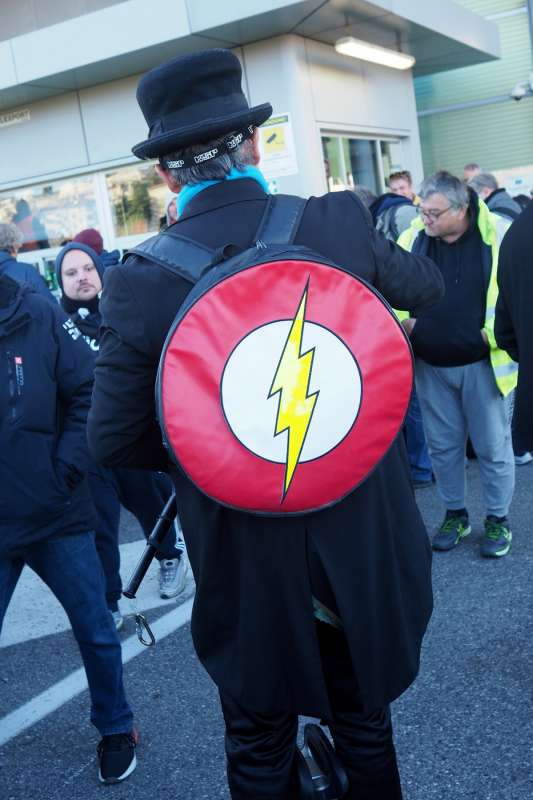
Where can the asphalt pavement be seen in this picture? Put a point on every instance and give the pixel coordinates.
(464, 730)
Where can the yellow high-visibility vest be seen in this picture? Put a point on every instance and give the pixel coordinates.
(492, 229)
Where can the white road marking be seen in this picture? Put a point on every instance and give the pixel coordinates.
(34, 612)
(64, 690)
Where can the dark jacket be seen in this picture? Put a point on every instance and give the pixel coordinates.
(45, 395)
(514, 317)
(392, 214)
(110, 258)
(449, 333)
(24, 273)
(252, 624)
(500, 202)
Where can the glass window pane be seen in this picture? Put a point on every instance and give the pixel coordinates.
(391, 157)
(49, 214)
(137, 197)
(361, 163)
(332, 163)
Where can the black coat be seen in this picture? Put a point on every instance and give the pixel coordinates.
(252, 623)
(45, 394)
(514, 318)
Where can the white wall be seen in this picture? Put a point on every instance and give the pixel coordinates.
(321, 89)
(324, 90)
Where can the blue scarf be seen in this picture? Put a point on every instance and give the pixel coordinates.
(191, 189)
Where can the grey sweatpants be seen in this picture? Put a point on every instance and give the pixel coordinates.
(457, 402)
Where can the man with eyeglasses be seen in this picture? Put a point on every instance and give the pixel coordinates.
(463, 380)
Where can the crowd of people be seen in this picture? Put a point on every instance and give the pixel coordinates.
(448, 258)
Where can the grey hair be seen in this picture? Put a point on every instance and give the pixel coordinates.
(365, 195)
(483, 180)
(214, 170)
(447, 184)
(11, 237)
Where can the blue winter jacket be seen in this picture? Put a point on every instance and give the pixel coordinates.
(24, 273)
(45, 394)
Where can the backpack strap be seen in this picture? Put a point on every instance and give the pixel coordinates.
(280, 221)
(177, 254)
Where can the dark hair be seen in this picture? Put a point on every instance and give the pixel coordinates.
(23, 208)
(523, 200)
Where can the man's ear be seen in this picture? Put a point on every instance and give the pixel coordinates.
(255, 147)
(166, 176)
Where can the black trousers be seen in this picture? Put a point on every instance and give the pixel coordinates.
(260, 748)
(144, 494)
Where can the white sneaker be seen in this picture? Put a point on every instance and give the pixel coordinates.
(172, 576)
(525, 458)
(118, 619)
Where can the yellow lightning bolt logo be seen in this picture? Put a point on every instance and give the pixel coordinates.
(291, 380)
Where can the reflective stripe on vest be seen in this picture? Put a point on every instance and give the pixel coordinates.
(492, 229)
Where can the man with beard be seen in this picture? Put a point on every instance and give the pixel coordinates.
(80, 273)
(46, 513)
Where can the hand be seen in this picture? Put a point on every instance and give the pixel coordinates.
(485, 337)
(408, 325)
(68, 475)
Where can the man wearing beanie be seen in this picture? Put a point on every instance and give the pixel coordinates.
(46, 513)
(366, 560)
(80, 275)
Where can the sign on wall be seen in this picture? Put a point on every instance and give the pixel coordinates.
(14, 117)
(276, 143)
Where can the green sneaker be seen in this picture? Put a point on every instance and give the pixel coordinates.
(453, 529)
(497, 539)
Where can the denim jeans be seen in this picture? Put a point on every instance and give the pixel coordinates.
(415, 439)
(71, 569)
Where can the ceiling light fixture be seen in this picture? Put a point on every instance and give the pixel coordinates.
(356, 48)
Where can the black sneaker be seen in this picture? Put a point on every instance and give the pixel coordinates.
(454, 528)
(116, 756)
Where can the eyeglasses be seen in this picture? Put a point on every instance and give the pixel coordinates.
(432, 214)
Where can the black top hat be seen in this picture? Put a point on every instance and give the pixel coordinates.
(193, 99)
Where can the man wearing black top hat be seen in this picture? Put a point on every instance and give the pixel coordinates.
(366, 559)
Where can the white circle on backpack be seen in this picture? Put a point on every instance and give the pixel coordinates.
(248, 378)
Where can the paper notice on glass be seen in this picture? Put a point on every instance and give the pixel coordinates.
(276, 143)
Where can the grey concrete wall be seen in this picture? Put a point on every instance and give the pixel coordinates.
(326, 91)
(22, 16)
(51, 141)
(320, 89)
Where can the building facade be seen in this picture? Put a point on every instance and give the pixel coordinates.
(469, 115)
(68, 114)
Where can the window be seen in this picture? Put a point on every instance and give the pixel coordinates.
(137, 198)
(50, 213)
(350, 161)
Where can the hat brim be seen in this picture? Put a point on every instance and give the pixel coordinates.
(201, 132)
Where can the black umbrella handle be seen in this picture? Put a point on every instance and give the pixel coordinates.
(161, 528)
